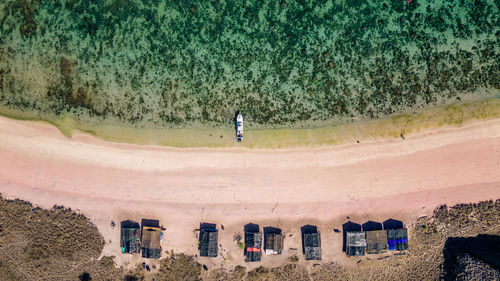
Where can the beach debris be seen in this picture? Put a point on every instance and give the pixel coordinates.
(293, 258)
(272, 210)
(237, 237)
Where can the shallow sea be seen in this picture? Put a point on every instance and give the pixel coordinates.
(280, 62)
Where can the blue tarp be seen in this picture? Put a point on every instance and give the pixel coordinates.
(397, 239)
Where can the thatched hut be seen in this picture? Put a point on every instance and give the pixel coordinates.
(130, 237)
(397, 239)
(376, 241)
(150, 239)
(208, 244)
(311, 242)
(253, 243)
(355, 243)
(273, 241)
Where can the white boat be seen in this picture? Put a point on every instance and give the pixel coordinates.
(239, 127)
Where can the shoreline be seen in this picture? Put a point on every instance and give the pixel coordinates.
(449, 116)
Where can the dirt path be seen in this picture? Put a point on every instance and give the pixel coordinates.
(287, 188)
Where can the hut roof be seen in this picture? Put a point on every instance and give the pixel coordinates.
(151, 242)
(253, 245)
(376, 241)
(130, 239)
(355, 243)
(397, 239)
(273, 243)
(208, 242)
(312, 246)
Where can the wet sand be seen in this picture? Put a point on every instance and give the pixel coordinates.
(399, 179)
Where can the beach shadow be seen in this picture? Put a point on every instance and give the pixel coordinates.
(85, 276)
(348, 226)
(307, 229)
(150, 223)
(272, 230)
(372, 225)
(251, 227)
(393, 224)
(235, 122)
(483, 249)
(208, 226)
(129, 224)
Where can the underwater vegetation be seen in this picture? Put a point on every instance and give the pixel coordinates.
(172, 63)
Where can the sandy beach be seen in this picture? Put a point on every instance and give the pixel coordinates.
(393, 178)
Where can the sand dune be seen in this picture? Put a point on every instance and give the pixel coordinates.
(286, 188)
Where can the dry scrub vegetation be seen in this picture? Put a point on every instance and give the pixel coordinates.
(55, 244)
(58, 244)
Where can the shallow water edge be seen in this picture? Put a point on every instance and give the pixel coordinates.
(397, 126)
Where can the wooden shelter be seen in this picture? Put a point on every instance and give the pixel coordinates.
(130, 237)
(208, 243)
(253, 245)
(355, 243)
(376, 241)
(397, 239)
(273, 243)
(150, 239)
(311, 243)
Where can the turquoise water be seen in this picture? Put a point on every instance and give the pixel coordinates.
(279, 62)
